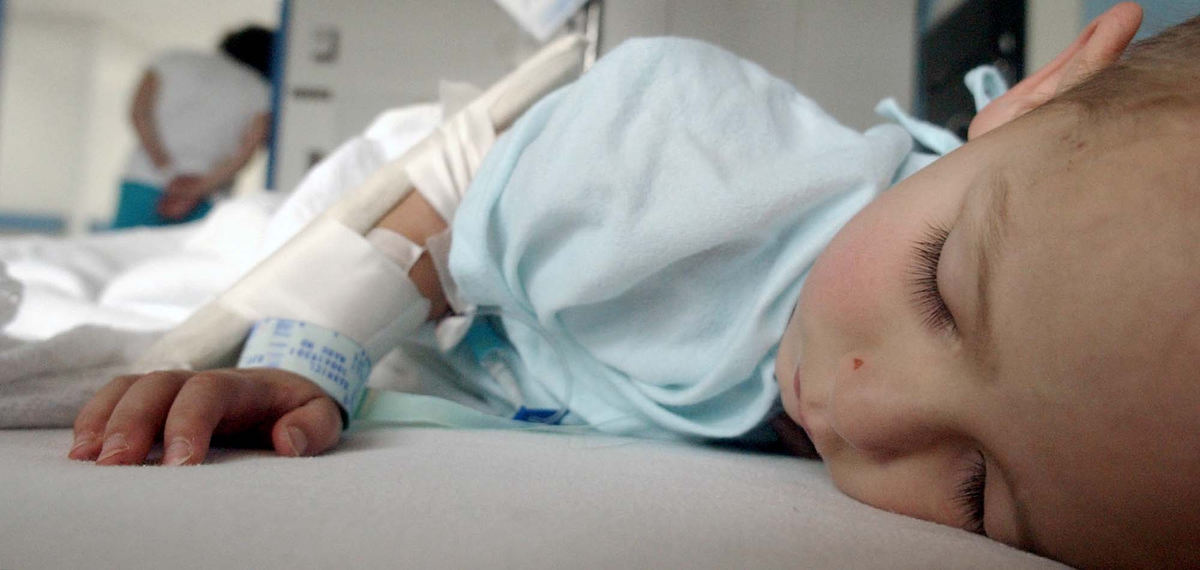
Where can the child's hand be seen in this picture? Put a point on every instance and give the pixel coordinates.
(120, 423)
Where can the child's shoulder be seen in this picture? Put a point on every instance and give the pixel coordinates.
(665, 45)
(670, 53)
(677, 74)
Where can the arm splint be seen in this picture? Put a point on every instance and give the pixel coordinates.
(332, 281)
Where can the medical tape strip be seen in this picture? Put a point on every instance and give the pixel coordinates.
(334, 362)
(442, 172)
(396, 247)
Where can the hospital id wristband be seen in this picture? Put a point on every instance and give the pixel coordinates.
(334, 362)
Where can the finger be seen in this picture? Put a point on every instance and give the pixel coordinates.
(202, 403)
(138, 417)
(90, 422)
(310, 429)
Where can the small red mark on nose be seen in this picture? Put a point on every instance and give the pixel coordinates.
(857, 363)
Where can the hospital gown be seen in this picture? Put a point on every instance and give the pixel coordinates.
(639, 239)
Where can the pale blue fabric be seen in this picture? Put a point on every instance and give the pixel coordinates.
(932, 137)
(985, 83)
(654, 221)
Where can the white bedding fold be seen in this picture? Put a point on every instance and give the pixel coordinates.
(91, 305)
(44, 383)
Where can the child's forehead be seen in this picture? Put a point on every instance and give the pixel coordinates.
(1084, 163)
(1096, 227)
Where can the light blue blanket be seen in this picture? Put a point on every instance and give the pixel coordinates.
(655, 220)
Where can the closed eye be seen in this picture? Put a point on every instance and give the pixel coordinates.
(970, 495)
(927, 253)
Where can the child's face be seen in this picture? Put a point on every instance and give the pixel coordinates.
(1056, 343)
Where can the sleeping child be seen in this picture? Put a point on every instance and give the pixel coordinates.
(1006, 341)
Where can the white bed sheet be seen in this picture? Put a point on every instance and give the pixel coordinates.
(138, 279)
(427, 498)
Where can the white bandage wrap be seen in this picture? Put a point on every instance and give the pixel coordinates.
(341, 289)
(441, 172)
(332, 361)
(336, 279)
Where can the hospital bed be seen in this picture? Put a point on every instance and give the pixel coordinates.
(413, 497)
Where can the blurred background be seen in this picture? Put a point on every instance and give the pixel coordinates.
(68, 69)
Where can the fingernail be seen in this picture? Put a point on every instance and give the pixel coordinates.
(298, 441)
(80, 443)
(178, 452)
(113, 445)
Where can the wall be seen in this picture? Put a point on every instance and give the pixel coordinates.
(1051, 26)
(45, 94)
(389, 54)
(116, 66)
(847, 55)
(3, 11)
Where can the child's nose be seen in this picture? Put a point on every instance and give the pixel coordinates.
(886, 411)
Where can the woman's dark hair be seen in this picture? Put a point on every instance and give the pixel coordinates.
(253, 46)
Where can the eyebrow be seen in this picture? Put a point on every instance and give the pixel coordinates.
(987, 245)
(995, 220)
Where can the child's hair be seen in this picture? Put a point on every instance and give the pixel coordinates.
(1159, 73)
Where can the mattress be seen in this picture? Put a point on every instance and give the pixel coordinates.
(431, 498)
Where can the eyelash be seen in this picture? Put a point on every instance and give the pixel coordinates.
(927, 253)
(970, 495)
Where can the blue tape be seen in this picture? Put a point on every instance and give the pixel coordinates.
(548, 416)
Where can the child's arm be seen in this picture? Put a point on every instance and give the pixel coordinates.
(415, 219)
(264, 405)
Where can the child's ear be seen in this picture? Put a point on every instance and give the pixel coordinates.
(1101, 43)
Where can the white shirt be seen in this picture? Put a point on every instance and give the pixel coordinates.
(204, 104)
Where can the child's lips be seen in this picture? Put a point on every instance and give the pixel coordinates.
(799, 401)
(790, 427)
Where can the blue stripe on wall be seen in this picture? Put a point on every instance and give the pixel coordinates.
(12, 222)
(278, 66)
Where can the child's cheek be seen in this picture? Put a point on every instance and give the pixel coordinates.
(841, 290)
